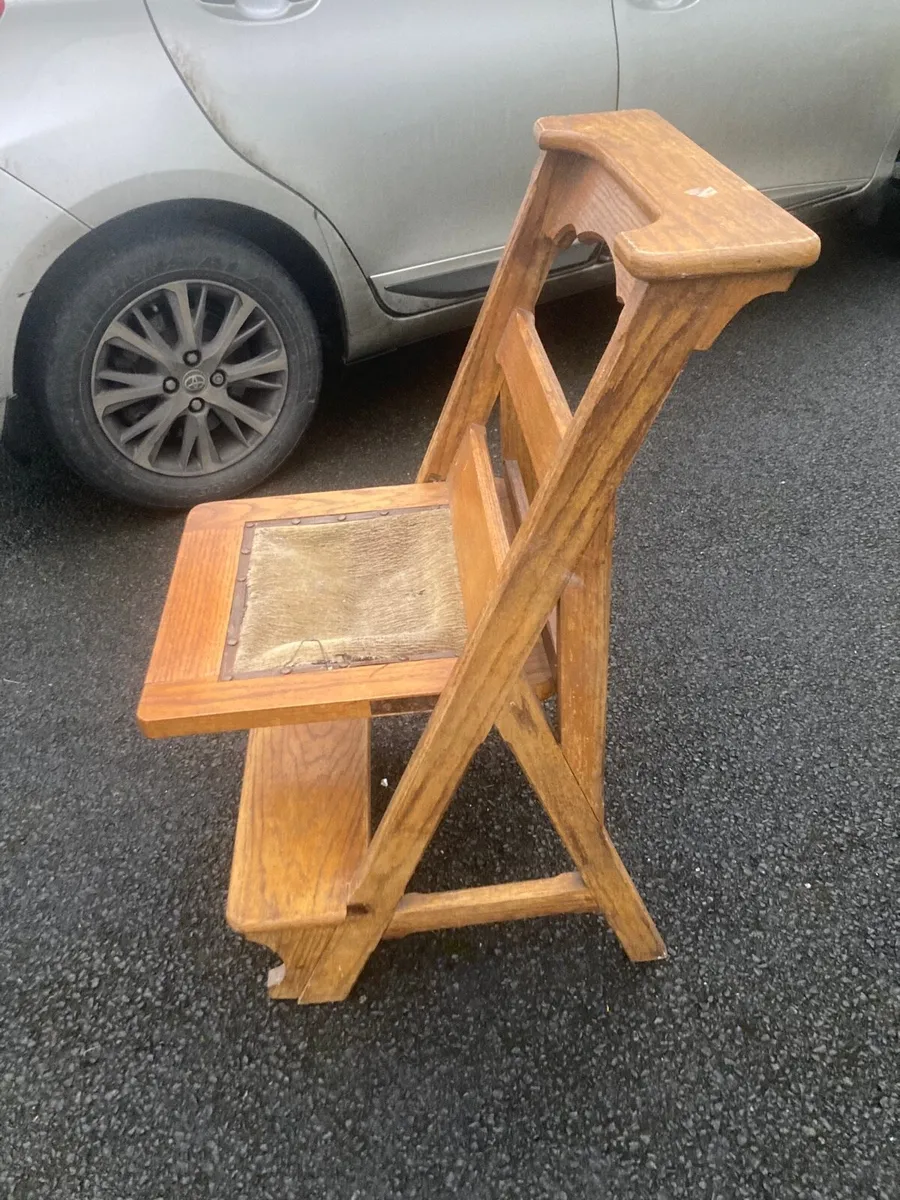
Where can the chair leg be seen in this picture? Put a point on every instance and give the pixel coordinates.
(583, 662)
(346, 953)
(523, 725)
(299, 950)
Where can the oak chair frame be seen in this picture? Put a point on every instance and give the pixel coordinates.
(691, 244)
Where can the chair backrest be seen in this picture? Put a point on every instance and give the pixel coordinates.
(692, 243)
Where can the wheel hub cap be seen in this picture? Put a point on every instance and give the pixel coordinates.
(193, 382)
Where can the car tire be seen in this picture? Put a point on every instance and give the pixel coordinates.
(133, 411)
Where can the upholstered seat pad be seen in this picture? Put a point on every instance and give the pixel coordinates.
(373, 587)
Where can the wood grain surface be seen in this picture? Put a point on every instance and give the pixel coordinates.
(303, 825)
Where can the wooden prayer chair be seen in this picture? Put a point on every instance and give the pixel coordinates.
(302, 617)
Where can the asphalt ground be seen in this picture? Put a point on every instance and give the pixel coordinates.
(752, 788)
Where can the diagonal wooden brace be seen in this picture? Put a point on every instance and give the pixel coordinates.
(523, 726)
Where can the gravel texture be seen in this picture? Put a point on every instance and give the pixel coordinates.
(752, 789)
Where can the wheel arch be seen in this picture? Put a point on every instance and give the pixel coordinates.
(278, 239)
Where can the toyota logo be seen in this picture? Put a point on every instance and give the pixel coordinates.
(194, 381)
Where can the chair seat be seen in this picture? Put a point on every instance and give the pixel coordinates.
(312, 607)
(338, 591)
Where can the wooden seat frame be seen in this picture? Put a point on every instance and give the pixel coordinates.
(691, 244)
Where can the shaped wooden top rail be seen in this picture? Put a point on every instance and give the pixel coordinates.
(668, 211)
(702, 219)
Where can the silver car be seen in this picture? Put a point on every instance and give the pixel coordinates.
(200, 198)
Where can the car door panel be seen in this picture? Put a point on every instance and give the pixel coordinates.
(407, 124)
(789, 93)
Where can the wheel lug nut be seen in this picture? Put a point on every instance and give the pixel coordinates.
(192, 357)
(170, 385)
(196, 404)
(217, 378)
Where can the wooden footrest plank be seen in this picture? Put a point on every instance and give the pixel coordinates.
(302, 828)
(418, 913)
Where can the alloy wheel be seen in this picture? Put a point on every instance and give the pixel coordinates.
(189, 378)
